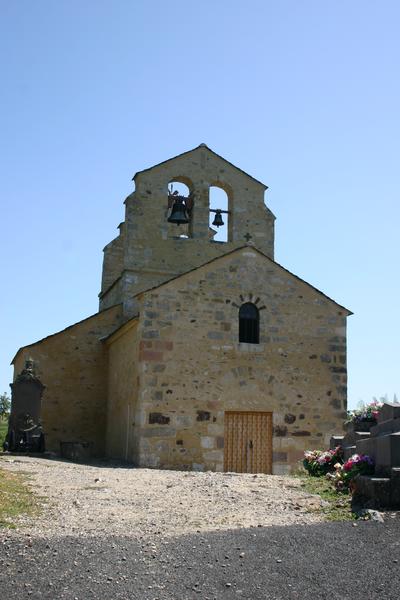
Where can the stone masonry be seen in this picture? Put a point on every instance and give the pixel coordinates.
(191, 367)
(150, 378)
(148, 250)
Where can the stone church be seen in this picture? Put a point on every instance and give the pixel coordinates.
(204, 354)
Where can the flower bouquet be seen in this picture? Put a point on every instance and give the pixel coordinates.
(358, 464)
(321, 462)
(343, 475)
(367, 413)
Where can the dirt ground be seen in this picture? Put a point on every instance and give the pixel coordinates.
(100, 498)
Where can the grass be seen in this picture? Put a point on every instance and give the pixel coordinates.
(3, 431)
(16, 498)
(336, 506)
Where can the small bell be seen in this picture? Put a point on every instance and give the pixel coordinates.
(218, 219)
(178, 213)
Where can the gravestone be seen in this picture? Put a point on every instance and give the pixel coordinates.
(25, 432)
(382, 444)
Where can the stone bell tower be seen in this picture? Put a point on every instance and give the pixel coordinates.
(150, 249)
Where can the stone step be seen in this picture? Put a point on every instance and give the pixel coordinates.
(373, 492)
(395, 485)
(366, 446)
(336, 440)
(351, 438)
(389, 411)
(388, 426)
(360, 426)
(387, 452)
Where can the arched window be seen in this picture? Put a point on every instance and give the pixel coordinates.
(249, 324)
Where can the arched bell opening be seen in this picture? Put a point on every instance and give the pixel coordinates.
(219, 223)
(179, 211)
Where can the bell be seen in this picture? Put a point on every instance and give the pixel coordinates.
(218, 219)
(178, 213)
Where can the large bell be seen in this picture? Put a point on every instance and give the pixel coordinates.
(178, 213)
(218, 219)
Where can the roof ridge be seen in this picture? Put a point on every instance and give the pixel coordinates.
(252, 247)
(46, 337)
(192, 150)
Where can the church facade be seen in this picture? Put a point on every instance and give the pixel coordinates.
(204, 354)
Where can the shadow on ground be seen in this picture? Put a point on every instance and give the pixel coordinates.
(314, 562)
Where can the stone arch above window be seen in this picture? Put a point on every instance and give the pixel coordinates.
(249, 324)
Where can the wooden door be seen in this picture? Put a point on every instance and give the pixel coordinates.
(248, 442)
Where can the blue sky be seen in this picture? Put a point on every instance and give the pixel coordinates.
(302, 95)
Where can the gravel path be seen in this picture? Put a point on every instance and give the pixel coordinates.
(109, 532)
(116, 500)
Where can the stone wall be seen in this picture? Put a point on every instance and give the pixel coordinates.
(72, 364)
(113, 261)
(192, 368)
(122, 392)
(153, 251)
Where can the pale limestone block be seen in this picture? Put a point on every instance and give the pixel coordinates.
(160, 432)
(214, 455)
(280, 469)
(207, 442)
(149, 460)
(215, 429)
(340, 331)
(290, 442)
(162, 447)
(141, 418)
(278, 418)
(184, 420)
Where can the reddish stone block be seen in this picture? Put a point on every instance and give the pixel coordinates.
(163, 345)
(295, 456)
(145, 344)
(150, 356)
